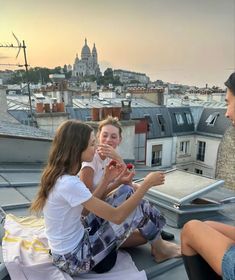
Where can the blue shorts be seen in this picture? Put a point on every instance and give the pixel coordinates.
(228, 264)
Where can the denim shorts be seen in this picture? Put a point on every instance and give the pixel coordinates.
(228, 264)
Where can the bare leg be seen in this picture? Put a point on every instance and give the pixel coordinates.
(227, 230)
(163, 250)
(135, 239)
(200, 238)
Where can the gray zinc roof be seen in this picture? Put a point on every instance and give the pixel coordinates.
(82, 114)
(20, 130)
(182, 120)
(19, 184)
(158, 119)
(213, 121)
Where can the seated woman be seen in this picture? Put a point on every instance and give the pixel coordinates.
(208, 248)
(62, 197)
(109, 136)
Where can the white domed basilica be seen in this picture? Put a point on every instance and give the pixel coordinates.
(88, 64)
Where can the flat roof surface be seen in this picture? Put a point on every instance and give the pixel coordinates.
(18, 186)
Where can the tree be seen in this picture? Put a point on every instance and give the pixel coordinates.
(108, 78)
(108, 73)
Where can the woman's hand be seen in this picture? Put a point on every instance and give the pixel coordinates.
(125, 177)
(154, 179)
(113, 171)
(108, 151)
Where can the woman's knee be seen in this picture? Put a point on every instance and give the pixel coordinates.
(189, 228)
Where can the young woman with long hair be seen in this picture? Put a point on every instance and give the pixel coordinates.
(76, 248)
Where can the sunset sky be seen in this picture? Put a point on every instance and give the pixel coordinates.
(180, 41)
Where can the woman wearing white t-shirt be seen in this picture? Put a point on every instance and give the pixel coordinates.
(62, 197)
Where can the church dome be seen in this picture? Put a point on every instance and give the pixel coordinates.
(86, 53)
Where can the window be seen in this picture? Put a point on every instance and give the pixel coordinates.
(157, 155)
(184, 147)
(201, 150)
(161, 122)
(149, 120)
(140, 142)
(179, 119)
(212, 119)
(188, 118)
(198, 171)
(88, 118)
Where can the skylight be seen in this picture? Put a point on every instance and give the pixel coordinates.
(212, 119)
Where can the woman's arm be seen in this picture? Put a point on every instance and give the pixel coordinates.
(111, 177)
(86, 174)
(123, 178)
(119, 214)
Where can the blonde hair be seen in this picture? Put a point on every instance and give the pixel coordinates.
(110, 121)
(71, 139)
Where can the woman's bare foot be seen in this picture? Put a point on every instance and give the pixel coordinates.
(163, 250)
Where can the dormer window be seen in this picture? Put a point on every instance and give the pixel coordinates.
(188, 118)
(161, 122)
(212, 119)
(179, 119)
(148, 118)
(149, 121)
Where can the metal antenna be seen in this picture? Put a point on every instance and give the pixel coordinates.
(20, 46)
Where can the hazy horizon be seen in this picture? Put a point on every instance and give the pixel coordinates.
(184, 41)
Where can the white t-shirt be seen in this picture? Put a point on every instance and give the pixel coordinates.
(98, 165)
(62, 214)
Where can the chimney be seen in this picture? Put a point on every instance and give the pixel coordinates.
(4, 115)
(126, 110)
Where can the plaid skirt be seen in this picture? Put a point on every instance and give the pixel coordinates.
(101, 236)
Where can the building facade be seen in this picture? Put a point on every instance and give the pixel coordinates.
(129, 76)
(88, 64)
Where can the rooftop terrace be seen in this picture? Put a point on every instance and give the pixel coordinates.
(18, 185)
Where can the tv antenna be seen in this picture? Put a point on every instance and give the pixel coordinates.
(20, 46)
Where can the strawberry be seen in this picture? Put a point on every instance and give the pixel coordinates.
(130, 166)
(113, 162)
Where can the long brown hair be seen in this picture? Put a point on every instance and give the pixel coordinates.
(71, 139)
(110, 121)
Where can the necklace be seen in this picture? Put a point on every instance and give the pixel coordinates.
(104, 162)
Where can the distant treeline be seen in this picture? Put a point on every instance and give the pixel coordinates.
(41, 75)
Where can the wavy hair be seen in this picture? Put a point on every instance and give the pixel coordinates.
(110, 121)
(71, 139)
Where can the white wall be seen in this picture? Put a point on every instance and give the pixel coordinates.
(182, 158)
(173, 153)
(23, 150)
(127, 146)
(166, 151)
(208, 166)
